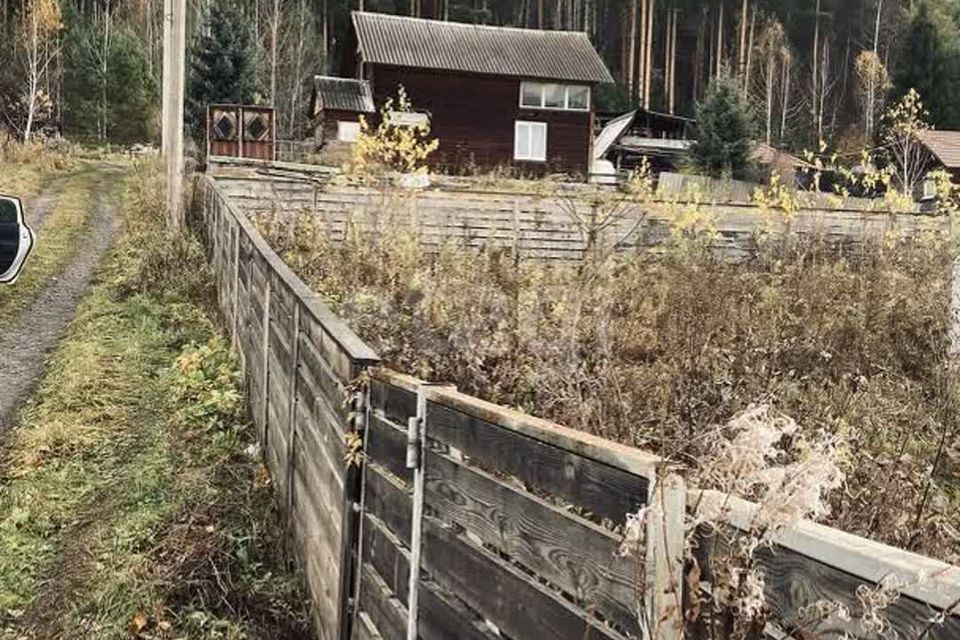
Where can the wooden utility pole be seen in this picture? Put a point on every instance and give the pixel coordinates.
(174, 39)
(648, 76)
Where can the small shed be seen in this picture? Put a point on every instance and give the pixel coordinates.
(944, 146)
(336, 107)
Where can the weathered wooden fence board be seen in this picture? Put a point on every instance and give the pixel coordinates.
(811, 564)
(298, 361)
(531, 562)
(541, 226)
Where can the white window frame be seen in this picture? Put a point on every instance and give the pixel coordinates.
(408, 119)
(566, 96)
(529, 156)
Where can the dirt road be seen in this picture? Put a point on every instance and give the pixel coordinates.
(27, 338)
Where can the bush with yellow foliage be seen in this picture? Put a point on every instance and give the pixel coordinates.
(395, 144)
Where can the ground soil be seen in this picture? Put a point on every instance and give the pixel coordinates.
(38, 329)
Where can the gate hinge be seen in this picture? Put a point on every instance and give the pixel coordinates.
(413, 442)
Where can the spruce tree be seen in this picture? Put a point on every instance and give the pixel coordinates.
(132, 104)
(222, 65)
(115, 101)
(928, 63)
(725, 131)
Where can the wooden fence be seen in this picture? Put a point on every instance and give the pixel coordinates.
(545, 227)
(487, 523)
(512, 523)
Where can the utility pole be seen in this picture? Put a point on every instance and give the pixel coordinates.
(174, 44)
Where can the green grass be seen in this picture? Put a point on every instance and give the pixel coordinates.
(25, 169)
(59, 241)
(128, 503)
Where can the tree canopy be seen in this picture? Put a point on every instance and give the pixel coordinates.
(222, 64)
(725, 131)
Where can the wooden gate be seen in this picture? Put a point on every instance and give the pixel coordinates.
(237, 131)
(483, 521)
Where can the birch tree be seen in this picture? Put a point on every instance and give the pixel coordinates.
(906, 121)
(874, 82)
(41, 23)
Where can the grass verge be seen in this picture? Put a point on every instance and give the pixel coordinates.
(58, 242)
(129, 506)
(24, 169)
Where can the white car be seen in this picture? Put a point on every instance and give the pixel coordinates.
(16, 239)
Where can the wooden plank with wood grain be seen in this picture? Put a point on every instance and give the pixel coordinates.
(441, 615)
(571, 553)
(595, 487)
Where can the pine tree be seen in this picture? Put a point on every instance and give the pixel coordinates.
(725, 130)
(132, 95)
(222, 64)
(928, 64)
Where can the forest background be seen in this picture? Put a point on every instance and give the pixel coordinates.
(814, 70)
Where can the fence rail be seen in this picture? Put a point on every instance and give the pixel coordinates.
(483, 522)
(546, 227)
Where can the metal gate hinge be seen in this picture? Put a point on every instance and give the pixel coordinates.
(413, 442)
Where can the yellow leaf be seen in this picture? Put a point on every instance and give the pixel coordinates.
(139, 622)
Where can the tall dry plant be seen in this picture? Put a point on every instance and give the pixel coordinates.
(649, 349)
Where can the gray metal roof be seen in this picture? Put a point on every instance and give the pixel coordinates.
(343, 94)
(945, 145)
(611, 133)
(504, 51)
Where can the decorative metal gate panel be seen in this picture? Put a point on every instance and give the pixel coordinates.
(238, 131)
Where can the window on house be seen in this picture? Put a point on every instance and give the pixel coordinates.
(541, 95)
(554, 96)
(347, 131)
(530, 141)
(408, 118)
(531, 95)
(578, 98)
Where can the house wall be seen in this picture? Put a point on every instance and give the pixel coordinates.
(473, 117)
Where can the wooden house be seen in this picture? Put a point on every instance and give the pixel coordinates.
(496, 96)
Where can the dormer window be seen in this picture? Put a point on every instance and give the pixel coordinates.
(551, 95)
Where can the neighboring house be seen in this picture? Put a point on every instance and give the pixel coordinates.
(336, 107)
(496, 96)
(661, 138)
(944, 146)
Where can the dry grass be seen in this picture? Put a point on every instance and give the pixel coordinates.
(657, 353)
(24, 168)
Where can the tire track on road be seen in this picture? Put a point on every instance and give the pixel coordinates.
(25, 344)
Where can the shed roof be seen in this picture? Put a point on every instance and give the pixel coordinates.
(342, 94)
(455, 46)
(945, 145)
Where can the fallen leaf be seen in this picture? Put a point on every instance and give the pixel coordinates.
(139, 623)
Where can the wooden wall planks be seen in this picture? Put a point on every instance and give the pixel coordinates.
(299, 361)
(512, 542)
(541, 227)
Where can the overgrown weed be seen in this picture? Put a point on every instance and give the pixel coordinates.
(656, 350)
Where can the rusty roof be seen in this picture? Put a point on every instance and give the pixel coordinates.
(945, 145)
(455, 46)
(343, 94)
